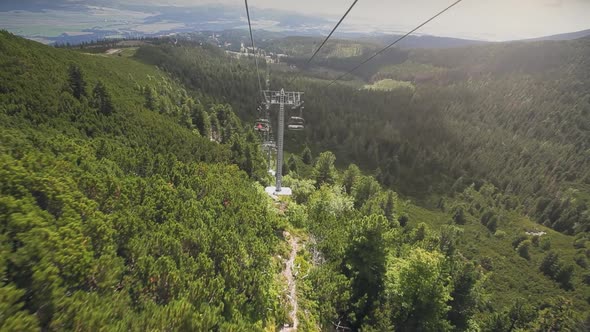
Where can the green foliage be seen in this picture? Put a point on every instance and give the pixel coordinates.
(292, 164)
(76, 82)
(545, 244)
(518, 317)
(350, 178)
(416, 288)
(389, 85)
(403, 220)
(459, 216)
(558, 316)
(118, 217)
(523, 249)
(500, 234)
(365, 188)
(365, 265)
(581, 260)
(121, 211)
(324, 171)
(552, 267)
(477, 114)
(302, 188)
(101, 100)
(306, 156)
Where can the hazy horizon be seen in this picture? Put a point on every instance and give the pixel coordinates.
(501, 20)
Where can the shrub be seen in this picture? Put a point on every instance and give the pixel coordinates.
(545, 244)
(403, 220)
(297, 215)
(459, 216)
(485, 218)
(581, 261)
(523, 249)
(556, 270)
(516, 242)
(580, 243)
(550, 264)
(487, 263)
(492, 224)
(564, 277)
(500, 234)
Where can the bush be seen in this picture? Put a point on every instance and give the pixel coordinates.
(516, 242)
(485, 218)
(580, 243)
(500, 234)
(552, 267)
(487, 263)
(564, 277)
(297, 215)
(523, 249)
(581, 261)
(493, 224)
(550, 264)
(459, 216)
(545, 244)
(403, 220)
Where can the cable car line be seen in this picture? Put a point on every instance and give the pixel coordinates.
(253, 46)
(395, 42)
(326, 39)
(332, 32)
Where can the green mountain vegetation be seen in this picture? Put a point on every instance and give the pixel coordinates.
(131, 192)
(302, 47)
(116, 216)
(513, 114)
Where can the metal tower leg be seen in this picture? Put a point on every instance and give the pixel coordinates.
(279, 173)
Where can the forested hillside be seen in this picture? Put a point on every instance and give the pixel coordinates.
(131, 194)
(116, 216)
(514, 114)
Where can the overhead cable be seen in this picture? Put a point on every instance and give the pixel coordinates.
(395, 42)
(253, 46)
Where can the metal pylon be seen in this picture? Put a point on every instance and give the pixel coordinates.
(280, 141)
(281, 98)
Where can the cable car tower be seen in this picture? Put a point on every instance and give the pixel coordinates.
(294, 101)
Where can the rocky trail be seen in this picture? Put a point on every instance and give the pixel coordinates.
(291, 286)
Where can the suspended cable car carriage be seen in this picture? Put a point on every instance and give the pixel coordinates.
(262, 125)
(296, 123)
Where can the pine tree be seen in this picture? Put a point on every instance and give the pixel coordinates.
(102, 100)
(292, 163)
(306, 156)
(324, 170)
(76, 82)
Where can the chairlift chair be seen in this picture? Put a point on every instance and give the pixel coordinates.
(296, 123)
(262, 125)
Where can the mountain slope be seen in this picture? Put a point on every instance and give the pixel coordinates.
(117, 216)
(130, 203)
(566, 36)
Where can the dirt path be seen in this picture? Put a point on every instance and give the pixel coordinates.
(291, 287)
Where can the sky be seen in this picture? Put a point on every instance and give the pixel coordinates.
(481, 19)
(493, 20)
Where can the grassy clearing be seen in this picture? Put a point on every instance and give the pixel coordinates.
(390, 85)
